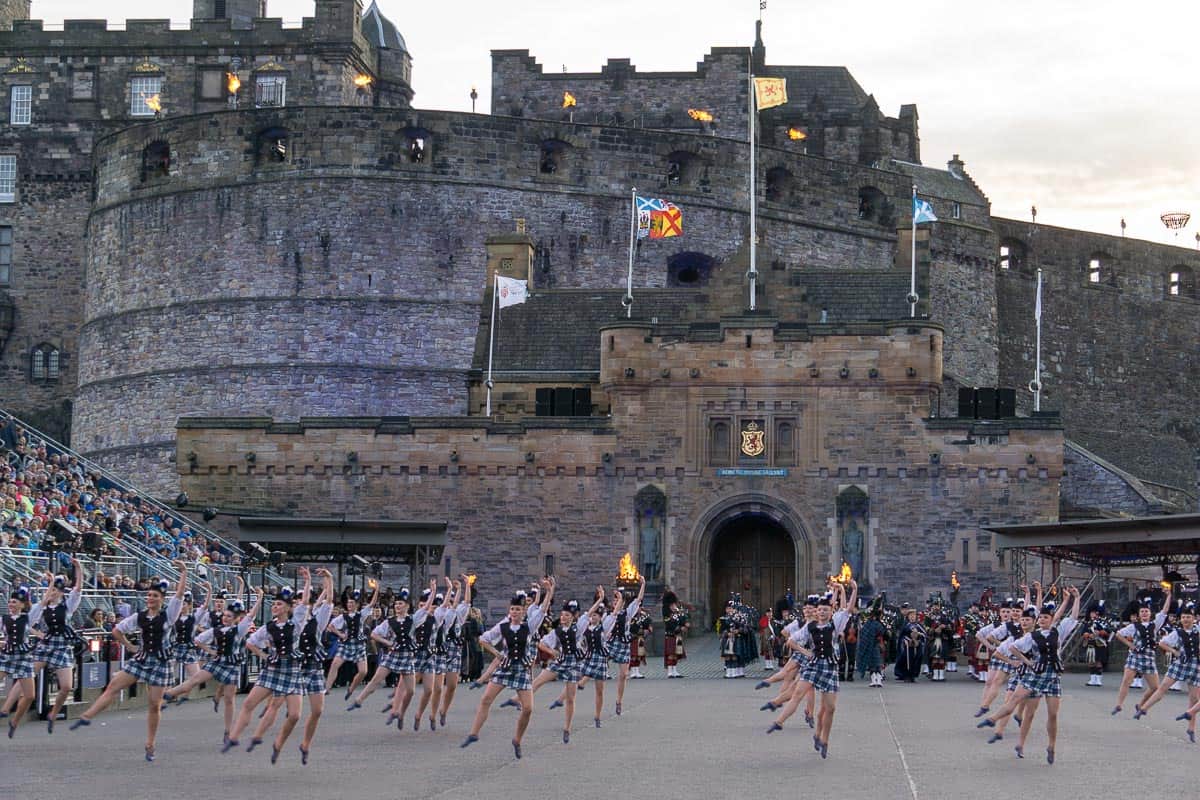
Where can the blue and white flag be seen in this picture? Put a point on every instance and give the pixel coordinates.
(922, 211)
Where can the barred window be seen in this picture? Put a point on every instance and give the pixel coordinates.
(20, 105)
(8, 179)
(44, 363)
(270, 91)
(143, 91)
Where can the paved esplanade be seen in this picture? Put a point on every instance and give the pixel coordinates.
(694, 738)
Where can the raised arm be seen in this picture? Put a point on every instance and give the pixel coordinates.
(181, 586)
(549, 594)
(307, 590)
(466, 584)
(1166, 604)
(852, 605)
(641, 589)
(326, 586)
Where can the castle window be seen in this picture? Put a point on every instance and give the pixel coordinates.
(689, 269)
(83, 83)
(218, 9)
(956, 211)
(44, 363)
(8, 179)
(785, 446)
(1181, 282)
(270, 91)
(563, 402)
(1012, 255)
(553, 157)
(141, 90)
(212, 84)
(272, 147)
(1100, 270)
(1005, 257)
(779, 185)
(6, 250)
(1094, 269)
(872, 205)
(681, 167)
(20, 105)
(156, 160)
(719, 442)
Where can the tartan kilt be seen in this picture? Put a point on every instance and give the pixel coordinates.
(56, 651)
(595, 666)
(422, 662)
(822, 674)
(313, 679)
(1014, 679)
(996, 663)
(453, 658)
(151, 669)
(673, 648)
(184, 653)
(800, 659)
(513, 676)
(1183, 670)
(353, 651)
(618, 651)
(399, 661)
(440, 663)
(17, 665)
(282, 678)
(637, 651)
(223, 672)
(1141, 662)
(568, 668)
(1042, 684)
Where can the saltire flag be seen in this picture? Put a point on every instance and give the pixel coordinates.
(658, 219)
(510, 291)
(922, 211)
(770, 92)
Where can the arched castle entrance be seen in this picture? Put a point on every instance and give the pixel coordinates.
(752, 544)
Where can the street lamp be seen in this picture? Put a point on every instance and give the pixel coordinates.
(474, 97)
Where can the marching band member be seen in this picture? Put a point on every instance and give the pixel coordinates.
(619, 642)
(16, 660)
(1096, 633)
(1141, 637)
(151, 663)
(351, 628)
(640, 627)
(675, 627)
(516, 631)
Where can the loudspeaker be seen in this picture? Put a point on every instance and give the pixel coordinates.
(544, 403)
(987, 403)
(582, 401)
(64, 533)
(1006, 403)
(967, 403)
(91, 542)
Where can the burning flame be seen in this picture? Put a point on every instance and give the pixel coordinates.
(371, 583)
(796, 135)
(627, 571)
(568, 100)
(362, 81)
(1166, 585)
(845, 576)
(954, 584)
(700, 114)
(470, 580)
(232, 82)
(153, 103)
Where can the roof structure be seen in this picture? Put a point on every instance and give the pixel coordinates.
(335, 539)
(1109, 543)
(936, 182)
(380, 31)
(836, 88)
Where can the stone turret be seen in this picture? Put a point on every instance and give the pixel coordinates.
(11, 10)
(240, 13)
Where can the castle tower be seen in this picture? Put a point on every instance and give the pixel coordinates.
(11, 10)
(240, 13)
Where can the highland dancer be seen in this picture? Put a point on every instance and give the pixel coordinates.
(56, 650)
(619, 642)
(351, 628)
(991, 636)
(452, 632)
(788, 698)
(395, 635)
(1042, 677)
(595, 638)
(1025, 713)
(1184, 644)
(224, 644)
(516, 631)
(816, 640)
(1141, 638)
(424, 660)
(277, 644)
(16, 661)
(150, 664)
(184, 654)
(564, 644)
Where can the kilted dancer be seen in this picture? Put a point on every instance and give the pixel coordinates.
(56, 650)
(564, 644)
(1041, 679)
(516, 631)
(620, 641)
(1025, 711)
(224, 644)
(184, 654)
(1141, 638)
(452, 627)
(425, 655)
(789, 698)
(395, 635)
(277, 644)
(16, 657)
(991, 636)
(445, 611)
(150, 664)
(817, 640)
(595, 641)
(1184, 644)
(351, 628)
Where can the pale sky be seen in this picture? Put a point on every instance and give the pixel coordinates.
(1087, 108)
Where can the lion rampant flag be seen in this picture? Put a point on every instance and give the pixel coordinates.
(658, 219)
(770, 92)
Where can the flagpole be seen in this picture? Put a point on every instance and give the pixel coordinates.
(753, 273)
(627, 300)
(912, 287)
(1036, 386)
(492, 341)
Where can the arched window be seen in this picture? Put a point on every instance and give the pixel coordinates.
(44, 363)
(785, 445)
(689, 269)
(156, 160)
(873, 206)
(417, 149)
(553, 159)
(779, 185)
(650, 507)
(1012, 255)
(1100, 270)
(273, 146)
(1181, 282)
(719, 442)
(681, 167)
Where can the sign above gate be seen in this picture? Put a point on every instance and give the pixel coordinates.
(743, 472)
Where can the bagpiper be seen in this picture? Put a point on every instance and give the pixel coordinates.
(1097, 631)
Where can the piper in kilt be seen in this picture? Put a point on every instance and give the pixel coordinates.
(452, 634)
(224, 644)
(817, 641)
(1141, 637)
(640, 627)
(1096, 633)
(1041, 678)
(16, 661)
(1184, 644)
(621, 639)
(394, 634)
(150, 663)
(516, 631)
(277, 644)
(564, 645)
(56, 650)
(351, 628)
(675, 630)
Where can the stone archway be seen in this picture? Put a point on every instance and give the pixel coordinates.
(742, 515)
